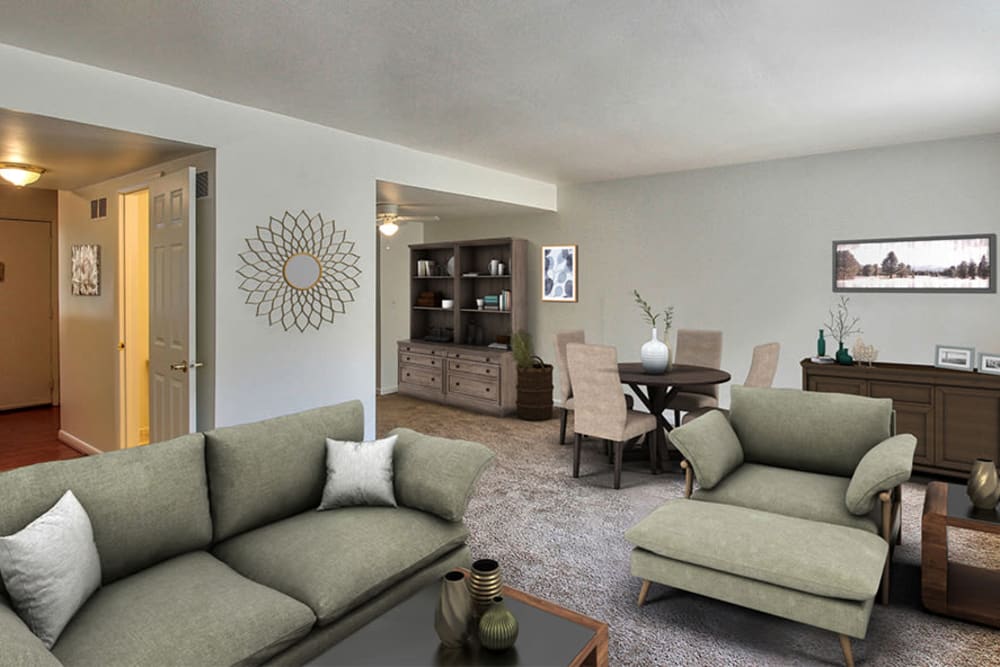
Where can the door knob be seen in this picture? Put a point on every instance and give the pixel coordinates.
(182, 367)
(196, 364)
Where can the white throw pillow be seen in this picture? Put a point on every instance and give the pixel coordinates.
(359, 473)
(51, 567)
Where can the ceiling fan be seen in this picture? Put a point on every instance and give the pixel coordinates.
(388, 219)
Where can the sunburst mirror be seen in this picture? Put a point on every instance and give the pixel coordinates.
(299, 271)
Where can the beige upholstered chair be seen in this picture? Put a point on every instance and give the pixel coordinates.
(697, 348)
(561, 340)
(763, 366)
(600, 410)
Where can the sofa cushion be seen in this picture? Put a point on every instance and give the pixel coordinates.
(190, 610)
(145, 504)
(808, 430)
(51, 567)
(437, 475)
(249, 489)
(711, 446)
(806, 495)
(808, 556)
(336, 560)
(20, 647)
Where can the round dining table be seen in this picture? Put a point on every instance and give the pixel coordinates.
(660, 389)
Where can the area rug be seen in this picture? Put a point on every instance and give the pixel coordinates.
(562, 539)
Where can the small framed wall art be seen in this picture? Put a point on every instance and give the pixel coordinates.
(559, 273)
(85, 270)
(988, 363)
(955, 358)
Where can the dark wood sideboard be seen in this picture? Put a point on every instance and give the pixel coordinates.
(955, 415)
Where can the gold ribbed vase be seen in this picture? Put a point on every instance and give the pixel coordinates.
(484, 582)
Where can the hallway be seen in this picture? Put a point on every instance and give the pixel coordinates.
(29, 436)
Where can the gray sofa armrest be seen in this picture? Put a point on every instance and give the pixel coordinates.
(437, 475)
(885, 466)
(710, 446)
(19, 646)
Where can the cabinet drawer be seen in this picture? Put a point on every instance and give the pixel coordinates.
(420, 376)
(420, 349)
(476, 387)
(838, 385)
(420, 359)
(898, 391)
(473, 368)
(471, 355)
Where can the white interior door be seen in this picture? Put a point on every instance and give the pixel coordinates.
(25, 313)
(171, 306)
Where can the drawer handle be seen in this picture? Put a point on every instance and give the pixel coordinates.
(407, 375)
(457, 384)
(433, 361)
(458, 365)
(487, 390)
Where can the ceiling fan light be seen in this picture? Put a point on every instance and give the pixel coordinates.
(388, 228)
(20, 174)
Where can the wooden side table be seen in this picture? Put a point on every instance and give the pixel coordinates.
(948, 588)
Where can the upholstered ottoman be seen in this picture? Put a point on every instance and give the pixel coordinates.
(815, 573)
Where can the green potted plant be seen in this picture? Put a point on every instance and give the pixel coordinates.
(534, 380)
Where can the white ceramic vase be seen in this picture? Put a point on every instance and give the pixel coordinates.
(655, 355)
(454, 610)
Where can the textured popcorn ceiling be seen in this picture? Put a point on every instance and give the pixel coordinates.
(564, 90)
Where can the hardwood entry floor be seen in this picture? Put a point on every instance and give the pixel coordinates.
(29, 436)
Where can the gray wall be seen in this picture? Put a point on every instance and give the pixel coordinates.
(393, 300)
(746, 249)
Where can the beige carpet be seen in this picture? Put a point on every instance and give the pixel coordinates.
(562, 539)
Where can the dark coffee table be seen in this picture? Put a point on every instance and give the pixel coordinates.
(549, 636)
(949, 588)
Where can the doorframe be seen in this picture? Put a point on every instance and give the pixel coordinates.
(121, 367)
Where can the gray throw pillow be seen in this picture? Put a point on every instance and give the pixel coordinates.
(710, 445)
(51, 567)
(358, 473)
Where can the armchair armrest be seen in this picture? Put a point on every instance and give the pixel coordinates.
(20, 645)
(710, 447)
(885, 466)
(436, 475)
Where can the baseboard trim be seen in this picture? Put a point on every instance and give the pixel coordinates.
(388, 390)
(77, 444)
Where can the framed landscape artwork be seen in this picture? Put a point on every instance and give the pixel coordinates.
(85, 270)
(920, 264)
(559, 273)
(989, 363)
(956, 358)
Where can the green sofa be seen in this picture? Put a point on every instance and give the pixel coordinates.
(212, 551)
(797, 506)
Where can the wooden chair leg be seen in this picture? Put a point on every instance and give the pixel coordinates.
(562, 427)
(619, 451)
(899, 512)
(845, 646)
(677, 417)
(651, 445)
(577, 443)
(688, 478)
(886, 499)
(644, 591)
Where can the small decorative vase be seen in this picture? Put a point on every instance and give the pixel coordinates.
(655, 355)
(485, 583)
(984, 488)
(843, 356)
(454, 610)
(821, 345)
(497, 627)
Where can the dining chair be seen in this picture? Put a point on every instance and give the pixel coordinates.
(763, 367)
(560, 340)
(697, 348)
(600, 409)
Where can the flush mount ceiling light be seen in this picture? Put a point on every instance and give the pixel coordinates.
(20, 174)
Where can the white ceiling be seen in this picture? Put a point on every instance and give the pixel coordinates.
(564, 90)
(446, 205)
(74, 154)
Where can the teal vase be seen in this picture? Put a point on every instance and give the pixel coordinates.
(497, 627)
(821, 345)
(843, 356)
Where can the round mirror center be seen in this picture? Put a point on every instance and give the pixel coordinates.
(302, 271)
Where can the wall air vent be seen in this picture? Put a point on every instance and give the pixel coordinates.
(98, 208)
(201, 184)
